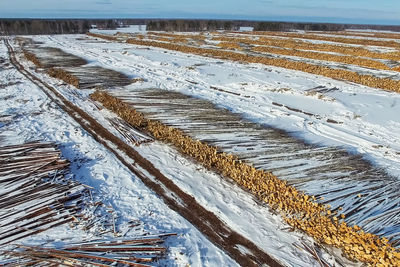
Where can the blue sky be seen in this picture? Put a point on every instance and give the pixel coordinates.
(346, 11)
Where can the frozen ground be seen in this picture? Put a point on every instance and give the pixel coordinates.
(27, 114)
(368, 121)
(367, 124)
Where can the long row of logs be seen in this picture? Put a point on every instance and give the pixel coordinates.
(293, 48)
(339, 74)
(351, 55)
(137, 252)
(57, 73)
(32, 57)
(63, 75)
(384, 35)
(343, 40)
(288, 42)
(298, 209)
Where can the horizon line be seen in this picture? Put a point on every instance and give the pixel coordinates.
(184, 18)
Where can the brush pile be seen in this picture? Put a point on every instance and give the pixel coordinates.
(298, 209)
(34, 193)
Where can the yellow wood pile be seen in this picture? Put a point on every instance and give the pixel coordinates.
(339, 74)
(298, 209)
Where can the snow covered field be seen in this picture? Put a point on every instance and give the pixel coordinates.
(368, 116)
(30, 115)
(360, 119)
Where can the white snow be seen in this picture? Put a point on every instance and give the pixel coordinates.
(246, 29)
(368, 115)
(35, 117)
(128, 29)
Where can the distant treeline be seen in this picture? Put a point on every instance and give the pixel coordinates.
(52, 26)
(233, 25)
(71, 26)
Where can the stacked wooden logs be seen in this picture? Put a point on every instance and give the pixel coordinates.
(32, 57)
(137, 252)
(340, 74)
(291, 43)
(298, 209)
(34, 194)
(63, 75)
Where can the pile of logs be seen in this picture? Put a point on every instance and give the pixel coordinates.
(130, 133)
(298, 209)
(339, 74)
(64, 75)
(32, 57)
(389, 43)
(53, 72)
(34, 193)
(111, 252)
(290, 43)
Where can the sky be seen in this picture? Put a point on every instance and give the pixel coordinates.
(336, 11)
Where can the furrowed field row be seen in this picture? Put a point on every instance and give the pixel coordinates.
(329, 39)
(368, 80)
(298, 209)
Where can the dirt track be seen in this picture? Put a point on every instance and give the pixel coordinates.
(205, 221)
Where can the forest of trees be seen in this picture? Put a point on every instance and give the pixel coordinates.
(211, 25)
(191, 25)
(73, 26)
(28, 26)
